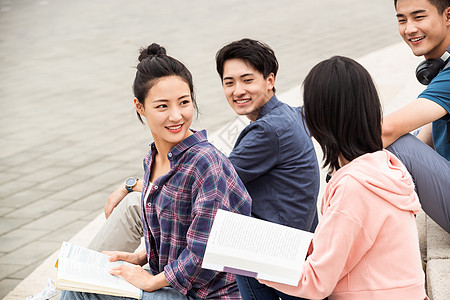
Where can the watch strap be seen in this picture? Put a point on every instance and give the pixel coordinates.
(129, 187)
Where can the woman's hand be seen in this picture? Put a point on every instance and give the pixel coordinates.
(137, 276)
(287, 289)
(117, 196)
(140, 278)
(310, 249)
(114, 199)
(138, 258)
(266, 282)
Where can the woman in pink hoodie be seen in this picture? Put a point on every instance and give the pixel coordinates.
(366, 245)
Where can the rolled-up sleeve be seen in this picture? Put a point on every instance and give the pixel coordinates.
(211, 191)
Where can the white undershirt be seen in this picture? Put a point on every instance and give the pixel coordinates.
(149, 188)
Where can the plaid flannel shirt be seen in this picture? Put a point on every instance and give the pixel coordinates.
(179, 211)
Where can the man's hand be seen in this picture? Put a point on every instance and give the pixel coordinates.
(426, 135)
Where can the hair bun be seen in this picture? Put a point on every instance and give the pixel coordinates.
(152, 51)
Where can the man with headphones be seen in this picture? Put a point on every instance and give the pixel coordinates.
(425, 27)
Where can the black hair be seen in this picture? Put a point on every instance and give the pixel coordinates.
(154, 64)
(342, 110)
(255, 53)
(441, 5)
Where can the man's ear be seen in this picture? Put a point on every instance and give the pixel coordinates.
(270, 81)
(139, 107)
(447, 15)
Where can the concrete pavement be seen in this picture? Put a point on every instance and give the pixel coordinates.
(68, 128)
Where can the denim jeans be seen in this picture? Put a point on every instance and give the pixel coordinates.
(166, 293)
(251, 289)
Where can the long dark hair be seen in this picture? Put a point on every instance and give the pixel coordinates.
(342, 110)
(154, 63)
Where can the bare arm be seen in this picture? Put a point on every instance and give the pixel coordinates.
(117, 196)
(412, 116)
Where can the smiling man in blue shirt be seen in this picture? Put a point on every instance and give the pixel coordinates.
(424, 25)
(274, 155)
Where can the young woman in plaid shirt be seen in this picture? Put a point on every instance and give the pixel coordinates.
(186, 181)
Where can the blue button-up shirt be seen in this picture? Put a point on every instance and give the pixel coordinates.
(178, 214)
(275, 158)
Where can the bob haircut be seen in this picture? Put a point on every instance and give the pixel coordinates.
(342, 110)
(441, 5)
(155, 64)
(254, 53)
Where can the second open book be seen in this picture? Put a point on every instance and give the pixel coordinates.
(251, 247)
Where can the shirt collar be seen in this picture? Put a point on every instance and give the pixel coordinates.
(193, 139)
(271, 104)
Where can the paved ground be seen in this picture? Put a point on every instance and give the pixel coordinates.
(68, 130)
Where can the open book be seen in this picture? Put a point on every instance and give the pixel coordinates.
(84, 270)
(251, 247)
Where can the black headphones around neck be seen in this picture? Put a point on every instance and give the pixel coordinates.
(428, 69)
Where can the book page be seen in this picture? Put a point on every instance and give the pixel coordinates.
(252, 247)
(91, 269)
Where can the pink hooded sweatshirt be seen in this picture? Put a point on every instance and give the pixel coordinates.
(366, 245)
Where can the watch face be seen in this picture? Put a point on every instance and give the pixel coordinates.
(130, 181)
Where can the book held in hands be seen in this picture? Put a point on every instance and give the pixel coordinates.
(85, 270)
(251, 247)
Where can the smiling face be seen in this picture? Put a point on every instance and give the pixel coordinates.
(423, 28)
(168, 110)
(245, 88)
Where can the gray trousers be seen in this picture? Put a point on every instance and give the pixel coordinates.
(431, 174)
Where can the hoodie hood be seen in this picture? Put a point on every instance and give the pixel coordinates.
(383, 174)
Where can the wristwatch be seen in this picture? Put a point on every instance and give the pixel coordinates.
(130, 183)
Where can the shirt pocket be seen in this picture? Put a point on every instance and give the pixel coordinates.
(177, 203)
